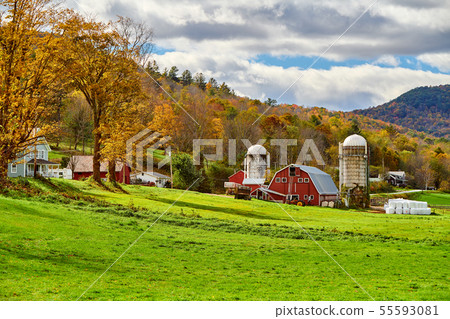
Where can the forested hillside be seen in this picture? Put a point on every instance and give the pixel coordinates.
(91, 86)
(425, 109)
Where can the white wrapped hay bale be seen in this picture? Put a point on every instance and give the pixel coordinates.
(421, 211)
(404, 206)
(399, 207)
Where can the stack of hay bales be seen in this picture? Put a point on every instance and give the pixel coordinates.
(404, 206)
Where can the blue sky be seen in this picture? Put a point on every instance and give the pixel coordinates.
(371, 51)
(304, 62)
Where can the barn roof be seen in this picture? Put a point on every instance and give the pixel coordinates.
(323, 181)
(268, 190)
(236, 173)
(253, 181)
(84, 164)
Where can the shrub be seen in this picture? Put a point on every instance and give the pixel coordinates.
(185, 172)
(381, 187)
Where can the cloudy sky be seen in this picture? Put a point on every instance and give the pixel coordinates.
(340, 54)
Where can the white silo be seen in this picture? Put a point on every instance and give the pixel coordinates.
(256, 163)
(354, 171)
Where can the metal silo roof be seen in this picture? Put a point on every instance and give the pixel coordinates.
(257, 150)
(355, 140)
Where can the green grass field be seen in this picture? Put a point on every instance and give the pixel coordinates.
(433, 198)
(57, 242)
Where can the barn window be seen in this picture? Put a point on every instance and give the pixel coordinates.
(284, 180)
(300, 180)
(305, 197)
(294, 197)
(306, 180)
(292, 171)
(277, 180)
(311, 197)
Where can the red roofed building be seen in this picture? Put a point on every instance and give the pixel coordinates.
(83, 167)
(237, 177)
(302, 183)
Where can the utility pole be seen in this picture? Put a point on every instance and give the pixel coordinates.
(171, 175)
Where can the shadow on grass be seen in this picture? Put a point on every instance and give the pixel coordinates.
(225, 210)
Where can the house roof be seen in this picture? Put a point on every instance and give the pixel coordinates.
(84, 164)
(41, 162)
(398, 173)
(321, 180)
(156, 174)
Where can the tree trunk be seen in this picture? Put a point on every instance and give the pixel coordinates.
(96, 158)
(3, 171)
(112, 171)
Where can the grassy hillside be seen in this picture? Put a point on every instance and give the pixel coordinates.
(433, 198)
(55, 243)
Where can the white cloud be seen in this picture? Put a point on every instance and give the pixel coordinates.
(221, 38)
(342, 88)
(437, 60)
(388, 60)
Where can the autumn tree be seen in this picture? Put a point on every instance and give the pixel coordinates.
(29, 44)
(102, 61)
(123, 122)
(77, 121)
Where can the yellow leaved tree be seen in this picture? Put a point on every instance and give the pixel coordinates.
(103, 61)
(29, 45)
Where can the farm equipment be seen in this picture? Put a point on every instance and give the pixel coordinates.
(242, 192)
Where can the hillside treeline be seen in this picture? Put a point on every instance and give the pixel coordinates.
(188, 106)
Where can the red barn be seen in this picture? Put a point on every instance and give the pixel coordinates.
(240, 179)
(237, 177)
(299, 183)
(82, 167)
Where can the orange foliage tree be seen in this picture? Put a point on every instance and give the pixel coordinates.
(29, 44)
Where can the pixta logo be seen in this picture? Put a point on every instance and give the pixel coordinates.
(141, 150)
(308, 152)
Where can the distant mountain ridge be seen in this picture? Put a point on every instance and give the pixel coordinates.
(424, 109)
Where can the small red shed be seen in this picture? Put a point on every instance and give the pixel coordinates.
(237, 177)
(83, 167)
